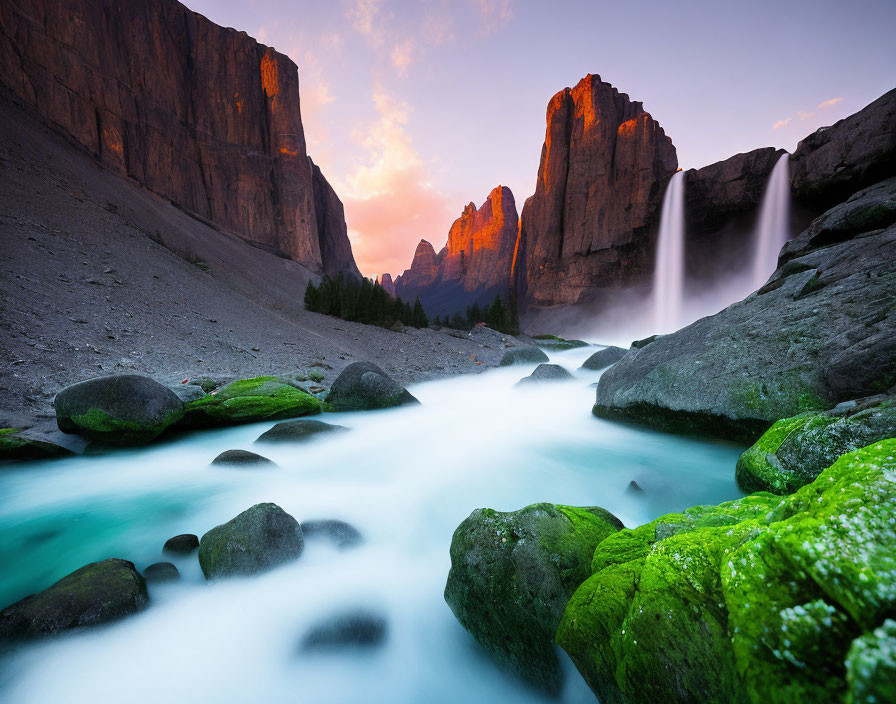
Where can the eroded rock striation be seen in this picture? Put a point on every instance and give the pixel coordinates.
(199, 114)
(604, 166)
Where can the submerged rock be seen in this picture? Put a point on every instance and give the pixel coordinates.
(16, 444)
(352, 629)
(298, 430)
(257, 540)
(364, 386)
(97, 593)
(754, 600)
(512, 574)
(604, 358)
(241, 458)
(546, 372)
(343, 534)
(818, 333)
(161, 572)
(128, 409)
(248, 401)
(182, 544)
(558, 344)
(794, 451)
(522, 355)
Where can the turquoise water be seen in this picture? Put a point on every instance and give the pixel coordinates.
(404, 477)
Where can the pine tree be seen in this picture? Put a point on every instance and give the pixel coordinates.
(312, 297)
(418, 316)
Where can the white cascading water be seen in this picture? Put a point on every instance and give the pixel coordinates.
(668, 277)
(774, 216)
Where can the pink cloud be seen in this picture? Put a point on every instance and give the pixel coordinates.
(494, 13)
(829, 103)
(403, 55)
(781, 123)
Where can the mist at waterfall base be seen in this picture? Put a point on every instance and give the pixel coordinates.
(404, 477)
(672, 302)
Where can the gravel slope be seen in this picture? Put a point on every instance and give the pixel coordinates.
(100, 276)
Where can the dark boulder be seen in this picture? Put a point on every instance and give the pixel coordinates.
(343, 534)
(546, 373)
(241, 458)
(161, 572)
(528, 354)
(836, 161)
(128, 409)
(604, 358)
(557, 344)
(16, 444)
(512, 574)
(298, 431)
(97, 593)
(257, 540)
(182, 544)
(352, 629)
(364, 386)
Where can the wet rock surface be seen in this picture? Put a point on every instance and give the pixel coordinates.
(241, 458)
(299, 431)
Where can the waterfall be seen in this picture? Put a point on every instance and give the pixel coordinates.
(668, 276)
(774, 217)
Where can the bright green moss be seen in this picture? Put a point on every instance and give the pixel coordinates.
(753, 600)
(871, 666)
(250, 400)
(98, 423)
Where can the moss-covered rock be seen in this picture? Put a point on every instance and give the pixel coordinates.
(127, 409)
(14, 445)
(557, 344)
(250, 400)
(512, 574)
(259, 539)
(363, 386)
(871, 666)
(796, 450)
(97, 593)
(755, 600)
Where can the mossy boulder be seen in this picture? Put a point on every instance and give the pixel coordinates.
(248, 401)
(604, 358)
(556, 343)
(527, 354)
(257, 540)
(871, 666)
(512, 574)
(97, 593)
(364, 386)
(126, 409)
(16, 444)
(796, 450)
(754, 600)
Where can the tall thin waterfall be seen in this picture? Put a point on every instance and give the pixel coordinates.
(668, 275)
(774, 215)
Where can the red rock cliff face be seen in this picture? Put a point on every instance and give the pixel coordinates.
(335, 250)
(203, 115)
(475, 264)
(603, 167)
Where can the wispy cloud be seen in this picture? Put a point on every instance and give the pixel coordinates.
(781, 123)
(363, 14)
(828, 103)
(390, 202)
(494, 13)
(402, 56)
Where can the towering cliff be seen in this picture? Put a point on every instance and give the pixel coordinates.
(604, 165)
(202, 115)
(475, 264)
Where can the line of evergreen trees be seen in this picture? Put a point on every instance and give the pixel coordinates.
(363, 302)
(498, 316)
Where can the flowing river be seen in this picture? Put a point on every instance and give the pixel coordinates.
(404, 477)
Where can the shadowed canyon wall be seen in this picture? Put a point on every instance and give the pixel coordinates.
(202, 115)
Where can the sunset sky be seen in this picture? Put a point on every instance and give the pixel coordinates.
(413, 109)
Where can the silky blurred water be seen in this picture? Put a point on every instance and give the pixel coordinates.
(404, 477)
